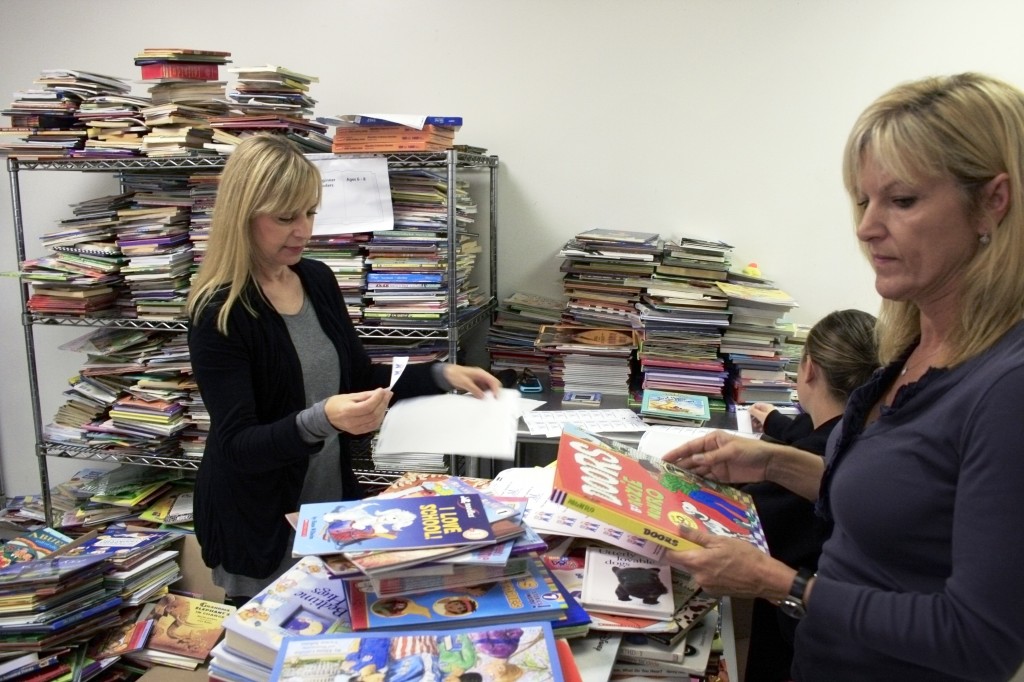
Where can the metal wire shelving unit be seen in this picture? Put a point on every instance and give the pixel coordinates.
(459, 323)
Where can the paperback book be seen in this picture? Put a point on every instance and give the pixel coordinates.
(188, 626)
(534, 597)
(675, 407)
(647, 496)
(526, 653)
(392, 524)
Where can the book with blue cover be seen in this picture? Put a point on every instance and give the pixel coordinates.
(534, 597)
(525, 653)
(380, 523)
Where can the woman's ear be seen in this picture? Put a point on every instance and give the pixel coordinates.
(996, 198)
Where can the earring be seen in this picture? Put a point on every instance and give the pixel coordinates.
(984, 239)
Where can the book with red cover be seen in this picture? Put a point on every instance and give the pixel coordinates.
(647, 496)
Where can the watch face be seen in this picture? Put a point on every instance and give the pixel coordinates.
(793, 608)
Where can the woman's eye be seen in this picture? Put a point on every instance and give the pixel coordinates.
(904, 202)
(285, 218)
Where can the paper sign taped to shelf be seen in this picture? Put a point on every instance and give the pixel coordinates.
(356, 195)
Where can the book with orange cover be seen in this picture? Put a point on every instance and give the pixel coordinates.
(188, 626)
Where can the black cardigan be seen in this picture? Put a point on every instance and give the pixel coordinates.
(251, 382)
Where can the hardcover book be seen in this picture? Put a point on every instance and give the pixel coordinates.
(621, 582)
(525, 653)
(306, 600)
(534, 597)
(647, 496)
(391, 524)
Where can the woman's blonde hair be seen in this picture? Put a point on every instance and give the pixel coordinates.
(266, 174)
(969, 127)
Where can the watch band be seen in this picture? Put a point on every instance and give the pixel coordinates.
(793, 605)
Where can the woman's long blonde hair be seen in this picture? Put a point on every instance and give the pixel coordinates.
(969, 127)
(266, 174)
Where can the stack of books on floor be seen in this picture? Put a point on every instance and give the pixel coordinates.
(358, 133)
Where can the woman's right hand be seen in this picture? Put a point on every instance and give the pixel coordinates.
(723, 456)
(358, 413)
(759, 414)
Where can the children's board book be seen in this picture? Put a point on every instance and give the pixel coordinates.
(392, 523)
(305, 600)
(525, 653)
(534, 597)
(682, 406)
(647, 496)
(618, 581)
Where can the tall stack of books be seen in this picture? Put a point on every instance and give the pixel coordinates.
(185, 91)
(752, 342)
(588, 360)
(358, 133)
(274, 99)
(43, 121)
(683, 317)
(115, 125)
(344, 255)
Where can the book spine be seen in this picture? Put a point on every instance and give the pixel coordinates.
(194, 71)
(431, 120)
(605, 515)
(375, 277)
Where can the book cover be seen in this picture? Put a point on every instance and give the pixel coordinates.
(391, 524)
(187, 626)
(120, 546)
(534, 597)
(647, 496)
(306, 600)
(526, 653)
(124, 639)
(689, 657)
(620, 582)
(37, 544)
(595, 653)
(675, 405)
(625, 236)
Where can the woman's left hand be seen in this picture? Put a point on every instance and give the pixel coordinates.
(731, 566)
(472, 380)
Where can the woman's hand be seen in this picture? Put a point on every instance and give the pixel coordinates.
(358, 413)
(724, 457)
(759, 415)
(472, 380)
(731, 566)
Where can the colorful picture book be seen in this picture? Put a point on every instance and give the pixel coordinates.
(534, 597)
(621, 582)
(306, 600)
(391, 524)
(675, 406)
(37, 544)
(647, 496)
(188, 626)
(123, 548)
(526, 653)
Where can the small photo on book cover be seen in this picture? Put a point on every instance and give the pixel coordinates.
(621, 582)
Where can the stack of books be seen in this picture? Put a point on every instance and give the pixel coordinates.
(270, 98)
(511, 336)
(43, 120)
(115, 125)
(358, 133)
(583, 360)
(753, 340)
(185, 91)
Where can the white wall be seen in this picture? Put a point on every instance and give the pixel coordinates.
(717, 118)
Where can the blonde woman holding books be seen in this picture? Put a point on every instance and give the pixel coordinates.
(280, 369)
(920, 578)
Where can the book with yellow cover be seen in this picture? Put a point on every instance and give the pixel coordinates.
(188, 626)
